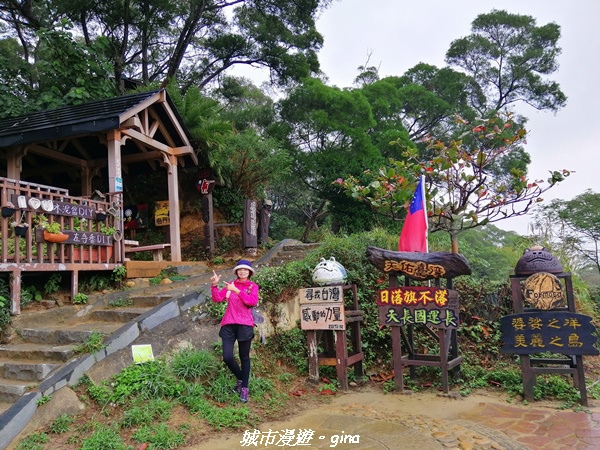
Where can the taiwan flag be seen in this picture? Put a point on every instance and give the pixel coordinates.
(414, 231)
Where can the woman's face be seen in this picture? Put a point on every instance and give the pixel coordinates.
(243, 273)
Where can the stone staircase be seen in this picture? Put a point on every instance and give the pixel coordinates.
(45, 341)
(290, 250)
(43, 357)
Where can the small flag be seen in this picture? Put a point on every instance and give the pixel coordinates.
(414, 231)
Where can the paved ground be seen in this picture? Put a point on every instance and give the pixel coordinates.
(367, 420)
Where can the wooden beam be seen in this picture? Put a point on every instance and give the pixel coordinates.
(57, 156)
(156, 145)
(140, 107)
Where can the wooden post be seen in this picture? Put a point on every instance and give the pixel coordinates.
(313, 356)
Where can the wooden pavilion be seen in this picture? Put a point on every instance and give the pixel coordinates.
(48, 161)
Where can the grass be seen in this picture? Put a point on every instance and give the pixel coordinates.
(93, 343)
(170, 402)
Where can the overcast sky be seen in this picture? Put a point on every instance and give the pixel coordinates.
(399, 34)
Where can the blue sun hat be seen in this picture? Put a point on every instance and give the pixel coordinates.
(243, 264)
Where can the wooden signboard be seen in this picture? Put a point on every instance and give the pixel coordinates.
(322, 308)
(322, 316)
(561, 332)
(412, 305)
(80, 237)
(322, 294)
(53, 207)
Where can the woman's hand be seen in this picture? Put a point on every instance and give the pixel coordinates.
(231, 287)
(215, 278)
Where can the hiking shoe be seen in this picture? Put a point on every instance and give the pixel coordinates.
(244, 395)
(238, 387)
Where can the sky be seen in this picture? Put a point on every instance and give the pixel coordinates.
(395, 35)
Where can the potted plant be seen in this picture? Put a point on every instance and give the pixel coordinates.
(8, 210)
(19, 227)
(100, 215)
(52, 230)
(109, 231)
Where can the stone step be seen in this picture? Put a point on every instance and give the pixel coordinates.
(4, 406)
(67, 334)
(26, 371)
(120, 315)
(12, 390)
(148, 301)
(299, 247)
(30, 351)
(291, 256)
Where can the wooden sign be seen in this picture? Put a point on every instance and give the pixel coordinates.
(561, 332)
(412, 305)
(323, 316)
(419, 266)
(53, 207)
(79, 237)
(322, 294)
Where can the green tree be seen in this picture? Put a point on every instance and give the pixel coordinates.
(576, 223)
(509, 55)
(192, 42)
(326, 131)
(62, 71)
(421, 102)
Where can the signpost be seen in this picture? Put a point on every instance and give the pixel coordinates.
(324, 317)
(546, 331)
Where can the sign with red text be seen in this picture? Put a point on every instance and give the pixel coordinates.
(418, 305)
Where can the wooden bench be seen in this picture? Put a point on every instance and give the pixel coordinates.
(156, 249)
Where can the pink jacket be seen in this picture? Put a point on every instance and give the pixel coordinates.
(239, 306)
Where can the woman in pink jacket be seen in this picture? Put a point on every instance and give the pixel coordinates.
(237, 323)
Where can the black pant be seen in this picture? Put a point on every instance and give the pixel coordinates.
(229, 334)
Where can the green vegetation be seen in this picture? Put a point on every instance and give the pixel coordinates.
(53, 283)
(120, 302)
(34, 441)
(61, 424)
(80, 299)
(93, 343)
(135, 406)
(44, 399)
(168, 272)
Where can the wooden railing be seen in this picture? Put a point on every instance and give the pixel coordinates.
(91, 231)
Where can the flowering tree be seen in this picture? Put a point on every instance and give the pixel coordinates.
(476, 179)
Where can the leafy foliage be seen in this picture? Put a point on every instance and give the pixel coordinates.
(466, 187)
(507, 54)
